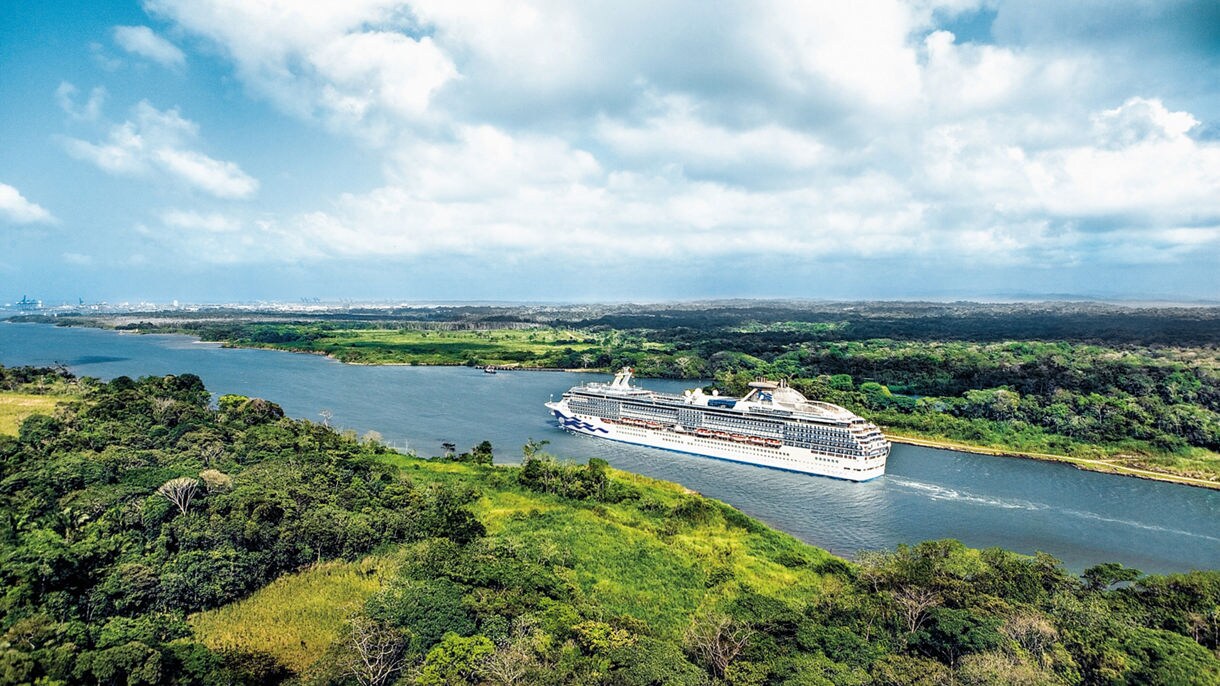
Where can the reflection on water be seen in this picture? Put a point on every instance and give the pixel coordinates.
(1081, 517)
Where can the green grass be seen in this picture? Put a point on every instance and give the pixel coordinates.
(631, 558)
(637, 558)
(525, 347)
(15, 407)
(297, 616)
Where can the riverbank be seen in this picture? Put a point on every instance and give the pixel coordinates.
(1105, 466)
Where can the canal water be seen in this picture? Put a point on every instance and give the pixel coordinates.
(1083, 518)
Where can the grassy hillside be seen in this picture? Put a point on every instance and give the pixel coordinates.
(296, 617)
(148, 537)
(15, 407)
(637, 562)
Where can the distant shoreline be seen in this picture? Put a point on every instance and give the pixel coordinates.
(1101, 466)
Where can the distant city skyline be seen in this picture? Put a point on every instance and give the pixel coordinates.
(218, 151)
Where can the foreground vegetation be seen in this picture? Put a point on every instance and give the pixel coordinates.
(148, 538)
(16, 407)
(1114, 389)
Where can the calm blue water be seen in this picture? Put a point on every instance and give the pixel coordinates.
(1080, 517)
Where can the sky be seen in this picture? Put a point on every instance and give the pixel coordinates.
(239, 150)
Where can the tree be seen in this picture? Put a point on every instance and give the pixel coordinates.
(1033, 632)
(510, 664)
(998, 669)
(532, 448)
(377, 651)
(216, 480)
(455, 660)
(952, 633)
(716, 640)
(1107, 574)
(179, 491)
(211, 453)
(914, 602)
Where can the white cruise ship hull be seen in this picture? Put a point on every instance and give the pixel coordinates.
(785, 457)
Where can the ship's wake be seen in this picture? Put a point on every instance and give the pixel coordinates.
(936, 492)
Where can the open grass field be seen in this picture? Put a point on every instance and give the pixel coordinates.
(15, 407)
(541, 347)
(297, 616)
(632, 558)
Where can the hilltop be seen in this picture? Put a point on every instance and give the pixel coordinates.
(152, 538)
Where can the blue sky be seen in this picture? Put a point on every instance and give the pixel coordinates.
(215, 150)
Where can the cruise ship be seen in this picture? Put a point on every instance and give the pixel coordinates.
(773, 426)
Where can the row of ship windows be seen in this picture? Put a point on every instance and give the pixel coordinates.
(815, 430)
(840, 454)
(734, 422)
(772, 454)
(756, 451)
(671, 416)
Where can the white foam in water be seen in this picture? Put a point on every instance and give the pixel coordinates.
(941, 493)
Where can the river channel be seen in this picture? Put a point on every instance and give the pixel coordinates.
(1082, 518)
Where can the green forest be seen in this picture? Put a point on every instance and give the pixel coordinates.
(153, 534)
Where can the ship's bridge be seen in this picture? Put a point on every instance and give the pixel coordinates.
(781, 394)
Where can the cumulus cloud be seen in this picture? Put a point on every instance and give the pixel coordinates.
(353, 64)
(158, 142)
(1140, 163)
(15, 208)
(143, 41)
(665, 130)
(65, 96)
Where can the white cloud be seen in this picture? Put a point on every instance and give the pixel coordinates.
(860, 49)
(143, 41)
(65, 96)
(678, 136)
(15, 208)
(666, 130)
(156, 142)
(349, 63)
(1140, 162)
(1141, 120)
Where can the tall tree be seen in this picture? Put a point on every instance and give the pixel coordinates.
(179, 491)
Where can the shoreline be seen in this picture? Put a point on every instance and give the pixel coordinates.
(1084, 464)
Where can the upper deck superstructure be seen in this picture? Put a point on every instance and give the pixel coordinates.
(773, 425)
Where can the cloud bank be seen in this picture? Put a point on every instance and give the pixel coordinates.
(675, 130)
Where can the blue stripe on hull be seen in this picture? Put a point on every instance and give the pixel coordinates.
(724, 459)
